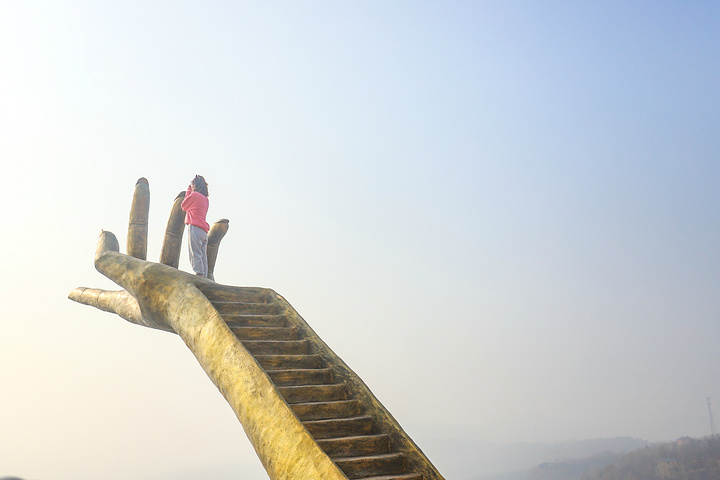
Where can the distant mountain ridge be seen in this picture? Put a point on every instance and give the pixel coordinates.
(523, 457)
(685, 458)
(491, 461)
(572, 469)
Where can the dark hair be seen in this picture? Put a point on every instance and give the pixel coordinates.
(200, 185)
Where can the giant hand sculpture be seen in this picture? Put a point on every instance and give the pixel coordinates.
(306, 413)
(157, 295)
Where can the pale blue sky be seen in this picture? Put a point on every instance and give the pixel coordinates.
(503, 215)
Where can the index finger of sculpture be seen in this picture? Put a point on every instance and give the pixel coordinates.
(170, 253)
(138, 225)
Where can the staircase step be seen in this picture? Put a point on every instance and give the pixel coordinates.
(264, 333)
(355, 446)
(273, 347)
(246, 294)
(326, 410)
(255, 320)
(399, 476)
(363, 467)
(340, 427)
(313, 393)
(315, 376)
(244, 308)
(277, 362)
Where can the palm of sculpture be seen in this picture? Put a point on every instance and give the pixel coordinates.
(308, 416)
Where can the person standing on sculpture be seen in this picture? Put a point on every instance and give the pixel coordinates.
(195, 204)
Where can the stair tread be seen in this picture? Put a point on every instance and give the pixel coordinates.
(225, 303)
(265, 327)
(313, 393)
(255, 332)
(327, 409)
(234, 308)
(290, 361)
(379, 456)
(276, 341)
(298, 370)
(353, 437)
(346, 419)
(221, 304)
(399, 476)
(352, 400)
(255, 320)
(275, 347)
(291, 355)
(314, 386)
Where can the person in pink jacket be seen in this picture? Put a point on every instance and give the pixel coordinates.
(195, 204)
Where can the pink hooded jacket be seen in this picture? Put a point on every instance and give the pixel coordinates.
(195, 205)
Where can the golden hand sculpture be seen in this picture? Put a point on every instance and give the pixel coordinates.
(306, 413)
(160, 296)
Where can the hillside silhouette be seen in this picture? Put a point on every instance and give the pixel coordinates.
(683, 459)
(686, 459)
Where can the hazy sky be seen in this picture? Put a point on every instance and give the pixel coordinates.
(504, 216)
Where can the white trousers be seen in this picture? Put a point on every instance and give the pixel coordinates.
(197, 245)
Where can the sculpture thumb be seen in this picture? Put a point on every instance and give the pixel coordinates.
(131, 273)
(121, 269)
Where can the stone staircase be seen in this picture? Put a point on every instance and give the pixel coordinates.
(316, 390)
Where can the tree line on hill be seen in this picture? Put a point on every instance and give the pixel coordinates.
(683, 459)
